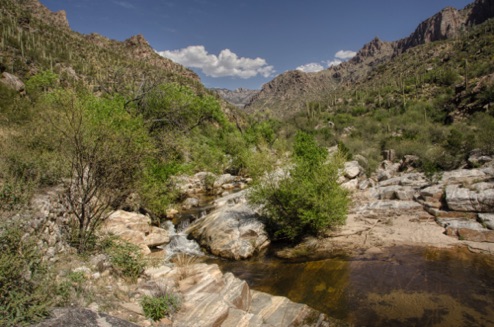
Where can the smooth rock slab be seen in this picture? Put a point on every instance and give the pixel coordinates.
(475, 235)
(231, 232)
(461, 198)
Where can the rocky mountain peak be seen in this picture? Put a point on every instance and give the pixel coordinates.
(373, 49)
(138, 41)
(58, 18)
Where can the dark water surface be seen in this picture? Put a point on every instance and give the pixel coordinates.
(402, 287)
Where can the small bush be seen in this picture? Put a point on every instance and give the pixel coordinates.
(309, 199)
(125, 257)
(24, 285)
(157, 307)
(72, 288)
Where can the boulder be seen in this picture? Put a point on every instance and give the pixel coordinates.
(409, 179)
(232, 231)
(487, 219)
(350, 185)
(409, 162)
(464, 175)
(12, 82)
(477, 158)
(136, 229)
(431, 197)
(477, 198)
(223, 179)
(352, 169)
(189, 203)
(387, 170)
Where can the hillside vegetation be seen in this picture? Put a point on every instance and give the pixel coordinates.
(434, 101)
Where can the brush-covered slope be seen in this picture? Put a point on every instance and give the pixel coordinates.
(34, 39)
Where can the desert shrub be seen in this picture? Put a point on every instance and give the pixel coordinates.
(41, 82)
(24, 284)
(160, 306)
(126, 258)
(484, 132)
(306, 201)
(71, 288)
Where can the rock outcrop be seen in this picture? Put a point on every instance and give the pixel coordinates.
(13, 82)
(137, 229)
(232, 231)
(215, 299)
(58, 18)
(461, 201)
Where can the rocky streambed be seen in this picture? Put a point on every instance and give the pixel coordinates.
(404, 257)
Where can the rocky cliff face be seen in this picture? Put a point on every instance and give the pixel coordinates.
(293, 89)
(444, 25)
(239, 97)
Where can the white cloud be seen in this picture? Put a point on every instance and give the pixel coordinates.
(339, 57)
(312, 67)
(227, 63)
(334, 62)
(345, 54)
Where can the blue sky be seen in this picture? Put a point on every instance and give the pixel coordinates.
(245, 43)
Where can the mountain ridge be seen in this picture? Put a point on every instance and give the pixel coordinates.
(36, 39)
(295, 89)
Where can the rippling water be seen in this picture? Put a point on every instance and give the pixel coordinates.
(401, 287)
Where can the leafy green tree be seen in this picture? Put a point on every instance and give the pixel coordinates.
(308, 200)
(104, 147)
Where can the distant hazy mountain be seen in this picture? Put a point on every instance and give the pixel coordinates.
(239, 97)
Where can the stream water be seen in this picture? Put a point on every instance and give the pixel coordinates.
(403, 286)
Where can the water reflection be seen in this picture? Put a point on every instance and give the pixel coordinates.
(401, 287)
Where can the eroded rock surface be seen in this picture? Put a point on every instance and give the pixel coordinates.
(232, 231)
(137, 229)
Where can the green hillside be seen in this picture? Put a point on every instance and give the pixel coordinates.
(434, 101)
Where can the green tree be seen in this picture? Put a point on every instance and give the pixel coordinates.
(104, 147)
(308, 199)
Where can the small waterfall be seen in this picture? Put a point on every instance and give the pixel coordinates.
(179, 242)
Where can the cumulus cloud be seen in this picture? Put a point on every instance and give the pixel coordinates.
(226, 63)
(339, 57)
(334, 62)
(345, 54)
(312, 67)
